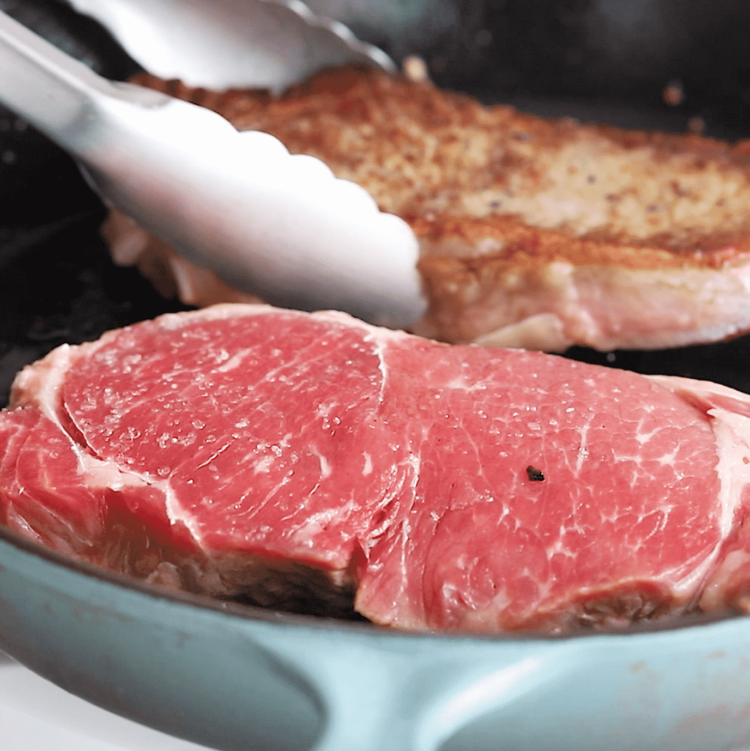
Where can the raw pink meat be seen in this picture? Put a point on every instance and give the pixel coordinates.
(244, 451)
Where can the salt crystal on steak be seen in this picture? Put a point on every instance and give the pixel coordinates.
(314, 462)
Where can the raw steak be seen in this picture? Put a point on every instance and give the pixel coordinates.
(315, 462)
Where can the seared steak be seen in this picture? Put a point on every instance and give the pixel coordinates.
(534, 233)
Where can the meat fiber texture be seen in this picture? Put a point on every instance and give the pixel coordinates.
(533, 232)
(314, 462)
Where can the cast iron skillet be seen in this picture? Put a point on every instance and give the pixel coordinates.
(242, 678)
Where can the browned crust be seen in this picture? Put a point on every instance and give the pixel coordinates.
(524, 247)
(413, 147)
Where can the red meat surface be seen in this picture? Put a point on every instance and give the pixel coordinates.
(249, 452)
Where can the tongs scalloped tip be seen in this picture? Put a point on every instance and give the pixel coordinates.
(270, 223)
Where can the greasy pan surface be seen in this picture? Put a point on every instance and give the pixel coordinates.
(254, 679)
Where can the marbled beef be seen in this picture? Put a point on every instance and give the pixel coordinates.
(318, 463)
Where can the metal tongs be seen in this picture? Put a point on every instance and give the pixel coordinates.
(279, 226)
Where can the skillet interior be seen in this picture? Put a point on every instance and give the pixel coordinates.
(562, 59)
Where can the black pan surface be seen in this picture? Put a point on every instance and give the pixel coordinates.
(591, 59)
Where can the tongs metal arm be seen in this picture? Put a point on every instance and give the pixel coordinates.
(277, 225)
(219, 44)
(48, 88)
